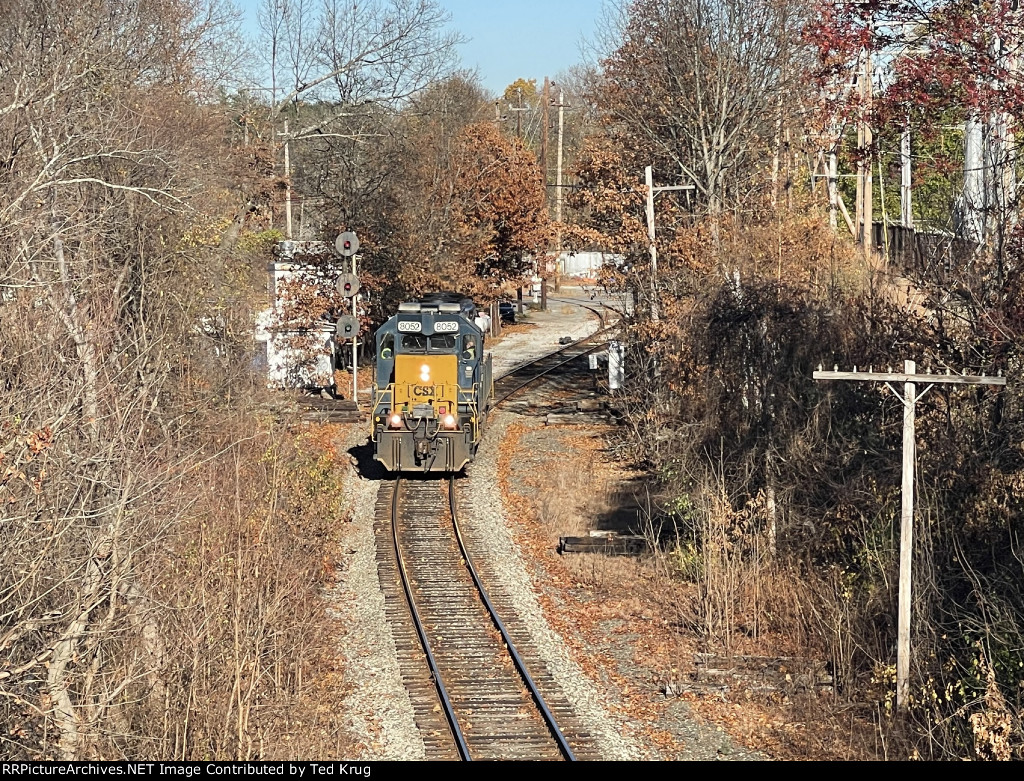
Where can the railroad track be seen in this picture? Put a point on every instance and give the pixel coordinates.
(479, 690)
(472, 694)
(529, 373)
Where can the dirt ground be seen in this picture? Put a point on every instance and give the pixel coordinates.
(621, 614)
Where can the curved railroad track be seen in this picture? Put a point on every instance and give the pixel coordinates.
(474, 697)
(528, 373)
(467, 674)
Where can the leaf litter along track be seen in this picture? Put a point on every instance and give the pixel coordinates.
(484, 704)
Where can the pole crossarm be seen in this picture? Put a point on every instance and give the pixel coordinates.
(669, 187)
(932, 379)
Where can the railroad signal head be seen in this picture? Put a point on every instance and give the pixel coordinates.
(348, 285)
(347, 244)
(347, 327)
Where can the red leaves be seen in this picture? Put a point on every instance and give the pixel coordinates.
(950, 56)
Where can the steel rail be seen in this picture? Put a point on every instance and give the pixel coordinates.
(550, 369)
(435, 673)
(549, 718)
(603, 329)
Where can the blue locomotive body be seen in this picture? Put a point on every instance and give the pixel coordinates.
(432, 386)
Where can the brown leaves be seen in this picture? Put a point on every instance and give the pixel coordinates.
(38, 441)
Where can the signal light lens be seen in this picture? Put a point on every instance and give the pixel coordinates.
(395, 421)
(449, 421)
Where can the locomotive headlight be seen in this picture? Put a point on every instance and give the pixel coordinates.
(448, 421)
(425, 373)
(395, 421)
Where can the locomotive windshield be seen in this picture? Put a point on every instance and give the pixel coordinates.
(444, 343)
(414, 343)
(418, 343)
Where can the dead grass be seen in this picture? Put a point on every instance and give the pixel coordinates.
(656, 616)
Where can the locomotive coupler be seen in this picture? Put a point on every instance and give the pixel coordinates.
(422, 448)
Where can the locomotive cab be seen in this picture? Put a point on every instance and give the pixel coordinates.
(432, 387)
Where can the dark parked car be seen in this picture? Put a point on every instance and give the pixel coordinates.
(507, 310)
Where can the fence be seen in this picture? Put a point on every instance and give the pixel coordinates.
(922, 253)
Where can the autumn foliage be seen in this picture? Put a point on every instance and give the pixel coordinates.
(766, 475)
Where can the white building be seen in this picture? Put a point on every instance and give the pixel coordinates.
(586, 265)
(298, 357)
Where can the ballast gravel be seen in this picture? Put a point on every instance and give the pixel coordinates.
(380, 714)
(506, 562)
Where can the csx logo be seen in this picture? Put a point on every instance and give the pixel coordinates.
(422, 390)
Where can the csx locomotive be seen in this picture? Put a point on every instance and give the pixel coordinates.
(432, 386)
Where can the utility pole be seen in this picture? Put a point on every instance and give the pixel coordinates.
(910, 379)
(867, 189)
(649, 181)
(833, 189)
(545, 126)
(558, 170)
(545, 101)
(651, 192)
(906, 193)
(974, 208)
(519, 113)
(518, 110)
(558, 194)
(287, 185)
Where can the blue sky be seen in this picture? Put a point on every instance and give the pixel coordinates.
(508, 40)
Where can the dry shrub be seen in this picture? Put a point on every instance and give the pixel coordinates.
(251, 673)
(567, 496)
(996, 728)
(745, 593)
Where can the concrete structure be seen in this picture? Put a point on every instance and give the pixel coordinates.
(298, 357)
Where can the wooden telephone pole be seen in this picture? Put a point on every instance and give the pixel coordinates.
(651, 238)
(910, 379)
(864, 177)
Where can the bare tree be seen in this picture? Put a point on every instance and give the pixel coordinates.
(350, 55)
(694, 86)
